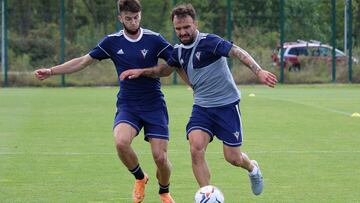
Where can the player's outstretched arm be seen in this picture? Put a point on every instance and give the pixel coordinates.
(71, 66)
(161, 70)
(264, 76)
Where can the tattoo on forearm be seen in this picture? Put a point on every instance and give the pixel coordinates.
(246, 59)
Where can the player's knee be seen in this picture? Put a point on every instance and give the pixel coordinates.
(160, 159)
(197, 153)
(121, 144)
(234, 160)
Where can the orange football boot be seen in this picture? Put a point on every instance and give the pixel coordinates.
(139, 189)
(166, 198)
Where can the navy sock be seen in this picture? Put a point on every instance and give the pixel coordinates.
(163, 189)
(137, 172)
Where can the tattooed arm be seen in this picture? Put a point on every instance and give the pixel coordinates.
(264, 76)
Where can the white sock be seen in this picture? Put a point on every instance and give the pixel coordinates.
(254, 171)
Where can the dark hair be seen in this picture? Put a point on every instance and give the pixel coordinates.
(183, 10)
(133, 6)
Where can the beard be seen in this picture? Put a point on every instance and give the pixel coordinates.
(131, 32)
(189, 41)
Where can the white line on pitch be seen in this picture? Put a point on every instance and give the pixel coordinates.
(311, 105)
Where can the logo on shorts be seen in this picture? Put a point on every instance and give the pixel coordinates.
(237, 135)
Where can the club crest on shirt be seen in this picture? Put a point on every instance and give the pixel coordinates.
(236, 134)
(181, 61)
(198, 55)
(144, 52)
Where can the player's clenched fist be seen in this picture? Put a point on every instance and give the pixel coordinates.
(43, 73)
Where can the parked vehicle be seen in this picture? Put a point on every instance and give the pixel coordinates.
(307, 49)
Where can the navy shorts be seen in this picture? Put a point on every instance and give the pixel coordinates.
(155, 122)
(223, 122)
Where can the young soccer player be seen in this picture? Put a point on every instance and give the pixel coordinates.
(216, 110)
(140, 103)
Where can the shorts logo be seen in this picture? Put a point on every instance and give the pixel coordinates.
(144, 52)
(237, 135)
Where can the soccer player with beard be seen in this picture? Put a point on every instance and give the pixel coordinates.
(216, 112)
(140, 103)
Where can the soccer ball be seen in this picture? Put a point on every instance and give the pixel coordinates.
(209, 194)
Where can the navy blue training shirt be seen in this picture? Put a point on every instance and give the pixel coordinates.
(142, 93)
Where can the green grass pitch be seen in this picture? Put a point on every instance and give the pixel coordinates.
(56, 145)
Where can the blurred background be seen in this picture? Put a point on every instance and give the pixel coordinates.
(294, 39)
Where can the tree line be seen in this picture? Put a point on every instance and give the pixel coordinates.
(34, 31)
